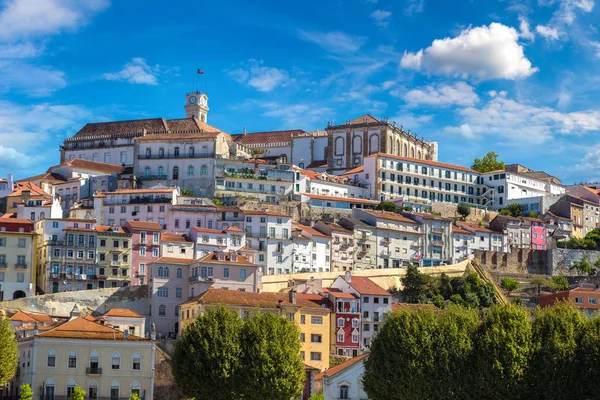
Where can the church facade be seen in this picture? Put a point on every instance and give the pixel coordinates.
(349, 143)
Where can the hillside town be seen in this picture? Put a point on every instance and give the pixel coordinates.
(108, 257)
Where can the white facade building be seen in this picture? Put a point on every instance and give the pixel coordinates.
(270, 234)
(312, 249)
(210, 240)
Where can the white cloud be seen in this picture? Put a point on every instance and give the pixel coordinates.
(27, 79)
(12, 159)
(137, 71)
(521, 123)
(381, 17)
(411, 121)
(525, 30)
(547, 32)
(596, 48)
(334, 42)
(414, 7)
(27, 18)
(443, 95)
(254, 74)
(590, 164)
(481, 53)
(464, 130)
(300, 116)
(19, 50)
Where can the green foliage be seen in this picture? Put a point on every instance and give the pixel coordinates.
(464, 209)
(502, 347)
(467, 291)
(8, 352)
(317, 397)
(588, 359)
(488, 163)
(186, 192)
(555, 336)
(335, 360)
(509, 284)
(512, 210)
(222, 356)
(217, 202)
(387, 206)
(272, 367)
(533, 214)
(583, 267)
(407, 208)
(560, 282)
(25, 392)
(591, 241)
(134, 396)
(207, 357)
(78, 394)
(542, 282)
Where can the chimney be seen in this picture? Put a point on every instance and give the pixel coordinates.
(75, 312)
(292, 296)
(348, 276)
(279, 303)
(35, 329)
(11, 182)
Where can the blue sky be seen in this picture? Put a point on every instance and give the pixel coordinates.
(518, 77)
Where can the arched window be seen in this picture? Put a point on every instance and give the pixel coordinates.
(51, 358)
(191, 151)
(93, 389)
(135, 388)
(94, 362)
(71, 387)
(419, 154)
(412, 152)
(339, 146)
(147, 172)
(114, 389)
(116, 360)
(357, 145)
(343, 392)
(374, 144)
(50, 388)
(179, 273)
(405, 150)
(162, 310)
(160, 172)
(166, 272)
(175, 172)
(137, 362)
(162, 292)
(190, 170)
(72, 359)
(397, 147)
(203, 170)
(161, 272)
(161, 152)
(176, 152)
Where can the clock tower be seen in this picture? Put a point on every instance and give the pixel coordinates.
(196, 105)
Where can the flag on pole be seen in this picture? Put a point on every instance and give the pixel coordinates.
(200, 72)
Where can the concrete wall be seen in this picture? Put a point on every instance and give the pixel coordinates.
(386, 278)
(448, 210)
(97, 300)
(559, 260)
(517, 261)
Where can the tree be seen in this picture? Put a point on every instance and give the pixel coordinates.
(206, 358)
(387, 206)
(512, 210)
(78, 394)
(560, 282)
(413, 284)
(541, 282)
(464, 209)
(588, 358)
(556, 333)
(8, 352)
(134, 396)
(216, 202)
(583, 267)
(488, 163)
(532, 214)
(502, 346)
(25, 392)
(509, 284)
(319, 396)
(186, 192)
(271, 363)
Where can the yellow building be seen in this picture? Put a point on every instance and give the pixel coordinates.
(304, 310)
(114, 258)
(17, 258)
(104, 362)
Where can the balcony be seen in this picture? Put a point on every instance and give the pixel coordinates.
(438, 230)
(201, 279)
(115, 263)
(204, 154)
(55, 242)
(101, 274)
(437, 243)
(21, 266)
(278, 236)
(385, 241)
(3, 265)
(93, 371)
(384, 253)
(279, 249)
(81, 277)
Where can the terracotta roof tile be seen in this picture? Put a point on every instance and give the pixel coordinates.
(142, 191)
(340, 367)
(476, 227)
(248, 299)
(257, 138)
(81, 328)
(34, 189)
(259, 212)
(317, 164)
(458, 229)
(151, 226)
(228, 209)
(310, 231)
(235, 229)
(121, 312)
(173, 237)
(120, 128)
(9, 220)
(365, 286)
(206, 230)
(364, 118)
(174, 260)
(343, 199)
(390, 216)
(214, 258)
(354, 170)
(426, 162)
(23, 316)
(90, 165)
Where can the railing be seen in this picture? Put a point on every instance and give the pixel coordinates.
(201, 279)
(115, 263)
(438, 243)
(93, 371)
(437, 230)
(21, 266)
(55, 242)
(205, 154)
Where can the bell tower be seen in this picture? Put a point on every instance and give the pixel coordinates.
(196, 105)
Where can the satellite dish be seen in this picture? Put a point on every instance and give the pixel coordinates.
(64, 282)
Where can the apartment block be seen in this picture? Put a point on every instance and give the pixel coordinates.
(311, 248)
(145, 248)
(342, 245)
(114, 255)
(270, 234)
(17, 258)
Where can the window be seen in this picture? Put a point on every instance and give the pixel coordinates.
(302, 355)
(365, 299)
(155, 252)
(51, 358)
(163, 292)
(179, 273)
(316, 320)
(302, 319)
(21, 243)
(116, 360)
(114, 390)
(314, 338)
(376, 300)
(355, 322)
(344, 392)
(315, 356)
(178, 293)
(592, 300)
(386, 300)
(175, 172)
(340, 322)
(190, 170)
(354, 338)
(226, 273)
(579, 300)
(243, 273)
(162, 310)
(72, 359)
(302, 338)
(137, 361)
(340, 337)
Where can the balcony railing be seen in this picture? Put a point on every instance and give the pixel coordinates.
(204, 154)
(437, 230)
(438, 243)
(201, 279)
(21, 266)
(93, 371)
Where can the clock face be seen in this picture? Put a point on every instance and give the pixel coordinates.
(192, 99)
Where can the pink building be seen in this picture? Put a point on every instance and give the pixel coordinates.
(538, 233)
(145, 237)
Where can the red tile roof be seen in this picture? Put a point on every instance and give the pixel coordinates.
(174, 260)
(341, 367)
(214, 258)
(458, 229)
(390, 216)
(426, 162)
(109, 229)
(121, 312)
(228, 209)
(206, 230)
(365, 286)
(235, 229)
(364, 118)
(173, 237)
(354, 170)
(317, 164)
(141, 191)
(34, 189)
(151, 226)
(339, 294)
(310, 231)
(23, 316)
(81, 328)
(90, 165)
(9, 220)
(343, 199)
(475, 227)
(249, 299)
(257, 138)
(259, 212)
